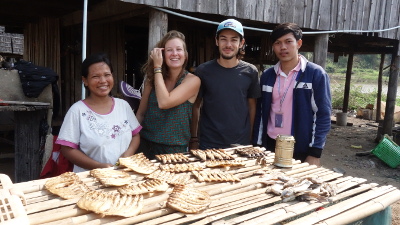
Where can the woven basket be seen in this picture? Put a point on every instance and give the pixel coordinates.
(388, 151)
(11, 209)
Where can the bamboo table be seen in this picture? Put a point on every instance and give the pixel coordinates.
(244, 202)
(28, 116)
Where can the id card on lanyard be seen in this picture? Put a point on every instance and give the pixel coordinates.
(279, 115)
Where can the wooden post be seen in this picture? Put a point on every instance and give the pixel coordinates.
(379, 95)
(321, 49)
(27, 145)
(158, 27)
(347, 84)
(391, 95)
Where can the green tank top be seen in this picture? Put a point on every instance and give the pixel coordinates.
(167, 126)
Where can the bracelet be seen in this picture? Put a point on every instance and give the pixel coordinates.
(157, 70)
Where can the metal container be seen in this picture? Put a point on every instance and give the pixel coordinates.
(284, 148)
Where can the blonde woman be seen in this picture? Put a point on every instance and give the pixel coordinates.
(165, 111)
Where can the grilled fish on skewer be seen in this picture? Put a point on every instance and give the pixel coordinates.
(224, 163)
(188, 200)
(184, 167)
(251, 152)
(224, 154)
(214, 176)
(199, 153)
(109, 203)
(147, 186)
(172, 158)
(170, 178)
(111, 177)
(67, 185)
(138, 163)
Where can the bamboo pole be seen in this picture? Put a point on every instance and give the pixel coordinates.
(269, 216)
(248, 219)
(341, 179)
(54, 203)
(144, 217)
(352, 192)
(235, 186)
(308, 172)
(54, 216)
(299, 170)
(224, 199)
(331, 177)
(188, 218)
(325, 172)
(349, 184)
(226, 203)
(235, 211)
(367, 209)
(296, 210)
(333, 210)
(76, 220)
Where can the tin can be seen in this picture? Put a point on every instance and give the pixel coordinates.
(284, 148)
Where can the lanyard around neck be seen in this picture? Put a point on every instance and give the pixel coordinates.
(286, 91)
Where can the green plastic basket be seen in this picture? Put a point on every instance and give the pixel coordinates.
(388, 151)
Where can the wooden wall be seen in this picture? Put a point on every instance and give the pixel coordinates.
(313, 14)
(42, 43)
(102, 38)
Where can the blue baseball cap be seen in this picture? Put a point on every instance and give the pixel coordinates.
(231, 24)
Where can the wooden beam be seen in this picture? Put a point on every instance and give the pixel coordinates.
(158, 27)
(336, 57)
(379, 95)
(361, 50)
(391, 95)
(321, 49)
(347, 84)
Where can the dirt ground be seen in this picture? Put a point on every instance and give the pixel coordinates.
(339, 153)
